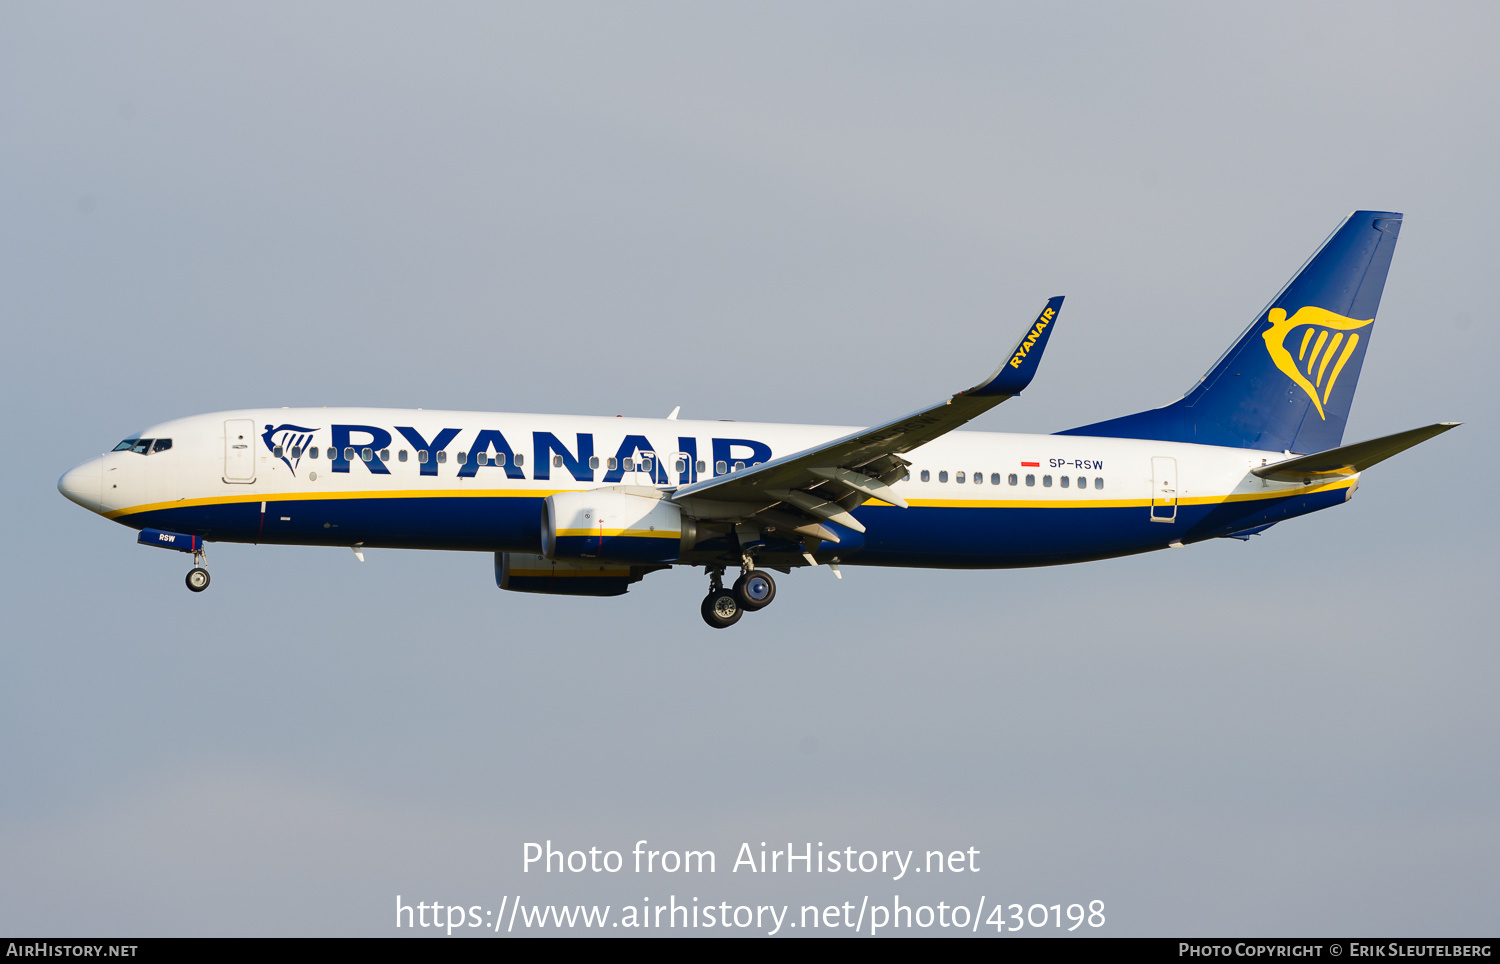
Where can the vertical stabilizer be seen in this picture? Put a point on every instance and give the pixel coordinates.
(1288, 382)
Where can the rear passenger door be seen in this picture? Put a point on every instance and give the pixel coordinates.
(1163, 490)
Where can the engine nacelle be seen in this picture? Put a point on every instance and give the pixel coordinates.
(614, 526)
(525, 572)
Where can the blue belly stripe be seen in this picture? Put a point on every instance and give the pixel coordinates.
(944, 537)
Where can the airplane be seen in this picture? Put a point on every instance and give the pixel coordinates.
(588, 506)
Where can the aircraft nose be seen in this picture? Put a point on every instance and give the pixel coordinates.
(83, 484)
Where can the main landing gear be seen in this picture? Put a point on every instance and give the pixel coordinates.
(723, 608)
(197, 577)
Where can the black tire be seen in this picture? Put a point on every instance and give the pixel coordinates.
(721, 609)
(197, 579)
(755, 590)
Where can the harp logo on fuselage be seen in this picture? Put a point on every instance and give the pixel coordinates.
(1322, 351)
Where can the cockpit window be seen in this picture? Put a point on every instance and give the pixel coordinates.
(143, 446)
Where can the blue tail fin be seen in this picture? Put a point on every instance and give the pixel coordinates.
(1288, 383)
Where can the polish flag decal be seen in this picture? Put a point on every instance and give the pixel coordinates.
(1031, 465)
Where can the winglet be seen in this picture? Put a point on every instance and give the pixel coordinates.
(1016, 372)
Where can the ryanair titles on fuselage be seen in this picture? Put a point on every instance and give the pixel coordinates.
(342, 445)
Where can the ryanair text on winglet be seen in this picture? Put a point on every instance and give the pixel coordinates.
(1031, 337)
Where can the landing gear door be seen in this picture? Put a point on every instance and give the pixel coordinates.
(239, 450)
(1163, 490)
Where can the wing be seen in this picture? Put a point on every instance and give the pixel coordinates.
(826, 481)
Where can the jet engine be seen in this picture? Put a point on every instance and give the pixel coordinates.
(528, 572)
(611, 525)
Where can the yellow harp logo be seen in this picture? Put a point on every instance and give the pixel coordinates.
(1317, 350)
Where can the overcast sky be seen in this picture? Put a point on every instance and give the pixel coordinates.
(784, 212)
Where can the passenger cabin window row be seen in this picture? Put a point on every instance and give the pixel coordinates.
(1063, 482)
(644, 464)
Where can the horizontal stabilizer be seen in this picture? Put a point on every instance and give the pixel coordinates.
(1349, 459)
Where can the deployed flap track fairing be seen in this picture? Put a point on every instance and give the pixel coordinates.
(586, 506)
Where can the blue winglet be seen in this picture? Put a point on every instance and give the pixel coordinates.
(1017, 370)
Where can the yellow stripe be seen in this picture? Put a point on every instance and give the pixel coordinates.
(1348, 350)
(1322, 337)
(1328, 356)
(568, 573)
(1302, 353)
(280, 497)
(616, 533)
(327, 496)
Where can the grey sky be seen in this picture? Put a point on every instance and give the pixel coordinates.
(828, 213)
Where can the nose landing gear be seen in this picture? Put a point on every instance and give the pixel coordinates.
(723, 608)
(197, 577)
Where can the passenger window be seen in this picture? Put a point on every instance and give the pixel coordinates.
(979, 478)
(463, 457)
(162, 444)
(1064, 481)
(296, 452)
(1098, 483)
(906, 477)
(627, 465)
(680, 466)
(1046, 481)
(499, 458)
(520, 459)
(1083, 483)
(943, 476)
(401, 456)
(483, 458)
(701, 465)
(958, 477)
(312, 453)
(385, 455)
(348, 453)
(995, 479)
(1012, 479)
(593, 461)
(443, 455)
(739, 466)
(721, 467)
(557, 461)
(646, 465)
(1031, 480)
(422, 456)
(367, 455)
(613, 463)
(275, 451)
(926, 476)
